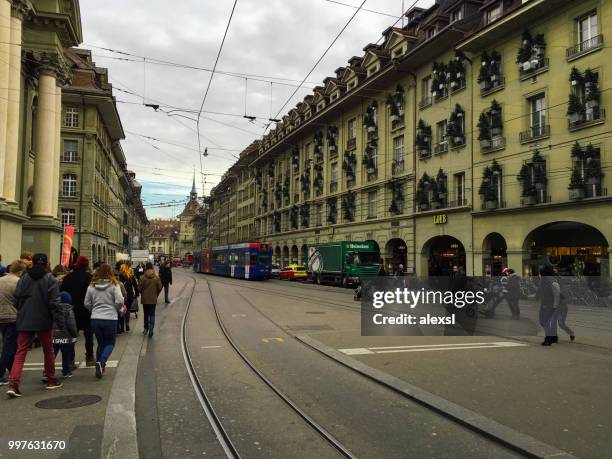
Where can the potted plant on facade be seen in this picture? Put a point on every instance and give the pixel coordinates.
(421, 193)
(393, 109)
(483, 77)
(423, 138)
(305, 215)
(496, 119)
(575, 77)
(271, 170)
(539, 46)
(576, 153)
(369, 119)
(484, 132)
(441, 185)
(576, 186)
(593, 172)
(528, 192)
(575, 109)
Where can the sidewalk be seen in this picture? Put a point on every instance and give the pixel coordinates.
(74, 413)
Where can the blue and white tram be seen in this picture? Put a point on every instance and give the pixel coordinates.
(249, 260)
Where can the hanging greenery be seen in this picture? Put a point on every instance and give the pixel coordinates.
(332, 205)
(305, 180)
(368, 158)
(422, 198)
(369, 118)
(286, 187)
(277, 222)
(295, 158)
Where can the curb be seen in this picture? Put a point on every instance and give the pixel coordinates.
(120, 438)
(507, 436)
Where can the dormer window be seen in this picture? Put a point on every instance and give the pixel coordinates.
(456, 15)
(308, 115)
(493, 13)
(335, 95)
(321, 106)
(351, 84)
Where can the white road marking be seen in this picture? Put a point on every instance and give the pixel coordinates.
(210, 347)
(431, 347)
(41, 366)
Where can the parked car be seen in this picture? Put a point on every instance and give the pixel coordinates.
(344, 262)
(293, 272)
(275, 270)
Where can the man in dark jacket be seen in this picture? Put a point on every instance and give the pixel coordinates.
(76, 284)
(165, 275)
(36, 301)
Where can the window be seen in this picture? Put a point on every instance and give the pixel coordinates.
(334, 172)
(456, 15)
(69, 185)
(442, 131)
(587, 27)
(431, 32)
(68, 217)
(426, 91)
(372, 204)
(493, 13)
(460, 188)
(537, 115)
(398, 149)
(318, 214)
(352, 128)
(71, 117)
(70, 151)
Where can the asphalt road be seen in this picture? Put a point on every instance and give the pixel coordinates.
(557, 395)
(367, 418)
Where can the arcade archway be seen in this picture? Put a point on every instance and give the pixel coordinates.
(571, 248)
(294, 254)
(442, 254)
(494, 257)
(304, 254)
(396, 253)
(277, 255)
(285, 257)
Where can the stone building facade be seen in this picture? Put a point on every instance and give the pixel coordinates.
(476, 135)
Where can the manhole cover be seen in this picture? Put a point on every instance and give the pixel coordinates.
(315, 312)
(67, 402)
(310, 327)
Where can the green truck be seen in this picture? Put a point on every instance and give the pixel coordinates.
(343, 262)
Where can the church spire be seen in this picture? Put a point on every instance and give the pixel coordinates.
(194, 193)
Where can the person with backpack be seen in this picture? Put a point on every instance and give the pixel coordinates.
(76, 283)
(104, 300)
(149, 286)
(126, 276)
(64, 334)
(8, 318)
(165, 275)
(36, 301)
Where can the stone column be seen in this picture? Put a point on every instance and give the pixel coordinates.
(45, 146)
(5, 49)
(57, 150)
(14, 103)
(516, 260)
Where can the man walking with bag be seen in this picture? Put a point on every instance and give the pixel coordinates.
(37, 303)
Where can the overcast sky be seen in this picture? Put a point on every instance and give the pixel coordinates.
(275, 39)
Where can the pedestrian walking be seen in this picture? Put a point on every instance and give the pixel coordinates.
(122, 312)
(149, 286)
(76, 284)
(131, 288)
(165, 275)
(513, 294)
(104, 300)
(65, 333)
(3, 269)
(549, 293)
(8, 318)
(36, 301)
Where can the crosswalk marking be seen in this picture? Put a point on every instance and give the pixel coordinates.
(431, 347)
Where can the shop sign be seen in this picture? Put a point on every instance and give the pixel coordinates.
(440, 219)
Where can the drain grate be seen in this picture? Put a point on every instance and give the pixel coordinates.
(67, 402)
(309, 327)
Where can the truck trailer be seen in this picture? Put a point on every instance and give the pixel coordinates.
(343, 262)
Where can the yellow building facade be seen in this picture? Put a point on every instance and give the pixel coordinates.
(474, 136)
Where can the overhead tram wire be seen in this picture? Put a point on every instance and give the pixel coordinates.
(229, 21)
(318, 61)
(363, 9)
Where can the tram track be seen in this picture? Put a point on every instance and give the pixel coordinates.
(214, 418)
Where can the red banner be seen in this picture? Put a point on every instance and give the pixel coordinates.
(68, 235)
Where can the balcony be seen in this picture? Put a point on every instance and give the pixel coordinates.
(536, 132)
(425, 102)
(458, 142)
(458, 203)
(456, 86)
(351, 144)
(493, 144)
(590, 118)
(530, 69)
(493, 205)
(586, 47)
(424, 153)
(441, 147)
(333, 152)
(489, 87)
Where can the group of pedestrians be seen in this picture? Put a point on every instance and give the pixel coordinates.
(553, 303)
(53, 306)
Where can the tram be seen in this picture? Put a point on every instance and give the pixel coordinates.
(249, 260)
